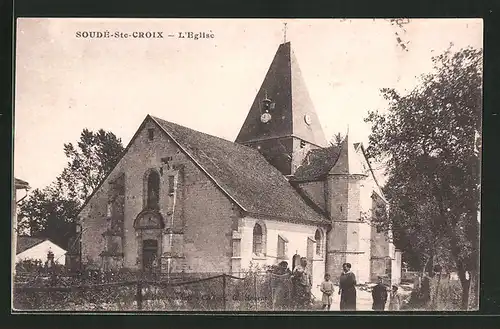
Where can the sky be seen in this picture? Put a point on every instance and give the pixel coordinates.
(64, 84)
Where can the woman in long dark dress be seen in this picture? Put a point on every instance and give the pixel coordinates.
(347, 291)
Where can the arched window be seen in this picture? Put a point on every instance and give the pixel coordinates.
(257, 239)
(153, 190)
(318, 237)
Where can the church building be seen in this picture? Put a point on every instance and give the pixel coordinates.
(181, 200)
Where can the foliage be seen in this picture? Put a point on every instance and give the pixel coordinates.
(48, 214)
(51, 212)
(94, 156)
(428, 140)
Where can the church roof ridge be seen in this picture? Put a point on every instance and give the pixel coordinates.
(243, 174)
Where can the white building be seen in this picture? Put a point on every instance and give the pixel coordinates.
(30, 248)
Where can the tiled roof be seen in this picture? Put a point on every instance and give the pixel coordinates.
(26, 242)
(243, 174)
(317, 163)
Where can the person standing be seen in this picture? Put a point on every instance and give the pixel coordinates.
(302, 285)
(281, 285)
(379, 295)
(347, 289)
(395, 302)
(327, 290)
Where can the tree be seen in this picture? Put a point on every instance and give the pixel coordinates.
(94, 156)
(47, 213)
(51, 212)
(428, 140)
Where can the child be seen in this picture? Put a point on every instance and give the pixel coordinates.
(327, 290)
(395, 302)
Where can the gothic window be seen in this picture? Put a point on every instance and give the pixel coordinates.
(151, 133)
(318, 236)
(153, 190)
(258, 239)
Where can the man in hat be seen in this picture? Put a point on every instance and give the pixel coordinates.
(379, 295)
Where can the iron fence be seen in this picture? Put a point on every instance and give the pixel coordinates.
(188, 292)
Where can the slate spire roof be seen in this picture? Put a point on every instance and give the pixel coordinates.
(243, 174)
(285, 87)
(349, 161)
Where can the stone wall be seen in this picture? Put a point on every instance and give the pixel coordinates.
(203, 214)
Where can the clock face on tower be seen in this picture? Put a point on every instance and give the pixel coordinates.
(307, 119)
(265, 117)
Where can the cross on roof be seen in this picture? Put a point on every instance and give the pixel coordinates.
(284, 33)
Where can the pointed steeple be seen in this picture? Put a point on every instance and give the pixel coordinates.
(282, 118)
(349, 161)
(293, 113)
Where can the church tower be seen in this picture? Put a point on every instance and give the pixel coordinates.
(349, 239)
(282, 123)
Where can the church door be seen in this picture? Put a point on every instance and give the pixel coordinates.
(149, 254)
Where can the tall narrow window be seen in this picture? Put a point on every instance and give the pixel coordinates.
(171, 182)
(282, 249)
(153, 190)
(236, 247)
(319, 242)
(257, 239)
(151, 134)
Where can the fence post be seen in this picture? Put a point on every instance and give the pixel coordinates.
(271, 285)
(224, 290)
(255, 291)
(138, 296)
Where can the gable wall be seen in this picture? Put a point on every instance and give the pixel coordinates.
(202, 211)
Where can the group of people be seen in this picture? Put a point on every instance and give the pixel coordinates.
(380, 295)
(302, 283)
(347, 292)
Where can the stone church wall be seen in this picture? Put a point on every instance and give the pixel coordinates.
(203, 212)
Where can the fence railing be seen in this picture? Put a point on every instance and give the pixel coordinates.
(222, 292)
